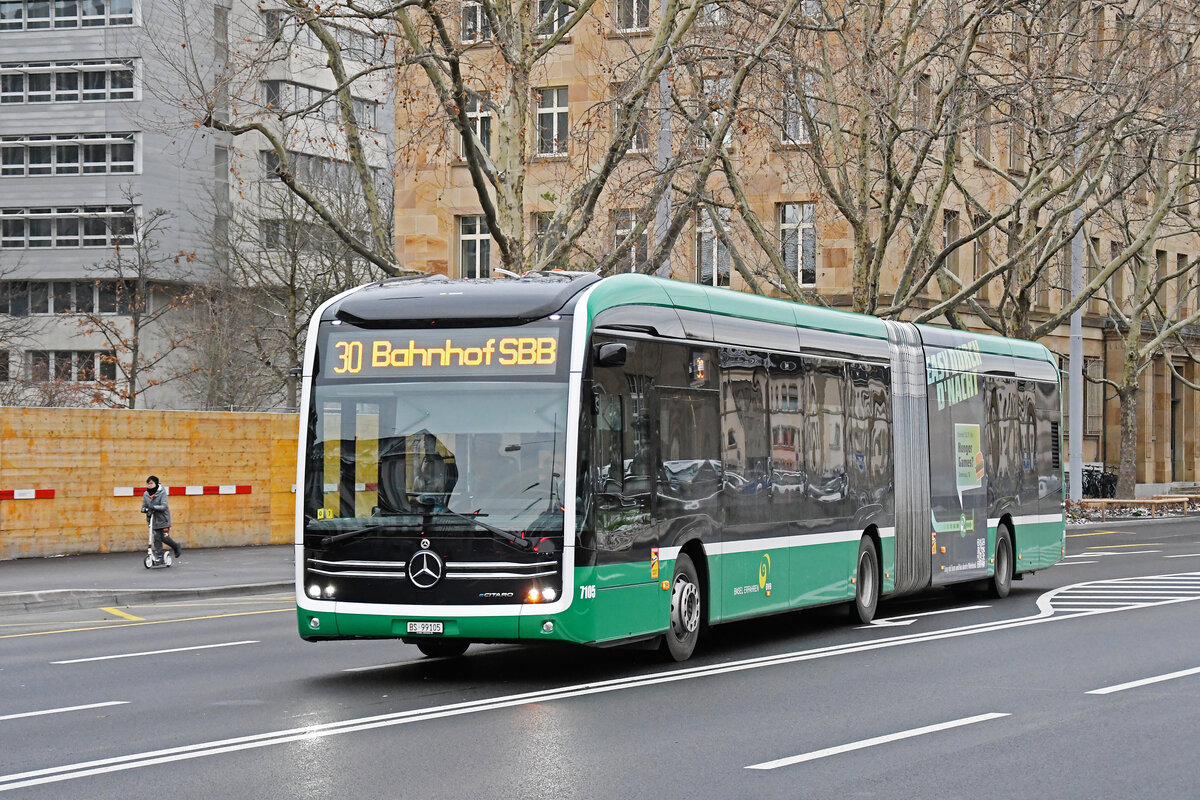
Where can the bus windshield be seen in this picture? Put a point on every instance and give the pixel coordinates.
(491, 451)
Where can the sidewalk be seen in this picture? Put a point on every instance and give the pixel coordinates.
(115, 579)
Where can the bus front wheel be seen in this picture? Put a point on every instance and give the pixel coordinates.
(866, 581)
(443, 648)
(686, 610)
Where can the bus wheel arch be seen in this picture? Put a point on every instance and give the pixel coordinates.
(1006, 522)
(868, 573)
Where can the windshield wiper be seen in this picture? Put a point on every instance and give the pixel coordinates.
(505, 536)
(350, 534)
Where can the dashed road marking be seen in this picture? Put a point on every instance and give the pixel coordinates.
(877, 740)
(155, 652)
(1120, 687)
(64, 710)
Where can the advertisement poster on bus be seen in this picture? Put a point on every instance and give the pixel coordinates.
(956, 462)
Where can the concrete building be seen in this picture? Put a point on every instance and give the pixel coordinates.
(82, 165)
(111, 181)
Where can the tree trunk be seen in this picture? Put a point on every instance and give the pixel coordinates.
(1129, 395)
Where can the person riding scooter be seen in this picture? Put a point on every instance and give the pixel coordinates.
(158, 515)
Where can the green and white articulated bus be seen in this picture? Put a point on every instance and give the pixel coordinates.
(564, 458)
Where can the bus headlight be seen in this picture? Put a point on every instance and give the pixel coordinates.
(549, 595)
(314, 591)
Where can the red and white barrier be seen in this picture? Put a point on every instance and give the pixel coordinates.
(132, 491)
(26, 494)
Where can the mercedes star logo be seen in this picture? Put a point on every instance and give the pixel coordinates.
(425, 569)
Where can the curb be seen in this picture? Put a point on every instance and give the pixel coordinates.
(1123, 520)
(67, 599)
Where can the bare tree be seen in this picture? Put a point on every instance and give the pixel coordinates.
(276, 264)
(149, 288)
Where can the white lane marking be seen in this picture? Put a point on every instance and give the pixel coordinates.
(1074, 563)
(1185, 555)
(64, 710)
(1120, 687)
(878, 740)
(1113, 553)
(908, 619)
(155, 652)
(1046, 613)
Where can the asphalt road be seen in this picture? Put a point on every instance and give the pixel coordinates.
(1084, 683)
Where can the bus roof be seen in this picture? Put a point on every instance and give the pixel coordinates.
(632, 289)
(627, 290)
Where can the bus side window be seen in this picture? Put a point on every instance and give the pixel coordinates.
(610, 456)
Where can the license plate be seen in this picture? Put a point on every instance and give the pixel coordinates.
(425, 628)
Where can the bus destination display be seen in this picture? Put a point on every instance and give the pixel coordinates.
(422, 354)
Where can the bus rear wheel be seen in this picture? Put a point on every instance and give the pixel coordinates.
(443, 648)
(686, 610)
(1001, 582)
(866, 581)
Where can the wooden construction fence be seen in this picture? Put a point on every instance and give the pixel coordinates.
(71, 480)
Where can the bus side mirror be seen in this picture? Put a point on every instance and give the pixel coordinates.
(611, 354)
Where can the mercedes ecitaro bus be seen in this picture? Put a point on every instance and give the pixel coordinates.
(564, 458)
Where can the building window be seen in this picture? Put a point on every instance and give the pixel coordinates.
(5, 376)
(1016, 147)
(633, 15)
(474, 247)
(795, 128)
(923, 101)
(633, 249)
(79, 366)
(553, 122)
(18, 15)
(716, 92)
(67, 81)
(983, 128)
(711, 14)
(328, 173)
(639, 141)
(86, 226)
(981, 261)
(22, 298)
(712, 253)
(292, 98)
(552, 15)
(475, 25)
(542, 244)
(271, 233)
(798, 241)
(480, 120)
(68, 154)
(950, 234)
(1093, 396)
(289, 29)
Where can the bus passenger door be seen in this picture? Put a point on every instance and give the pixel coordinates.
(690, 480)
(628, 594)
(755, 564)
